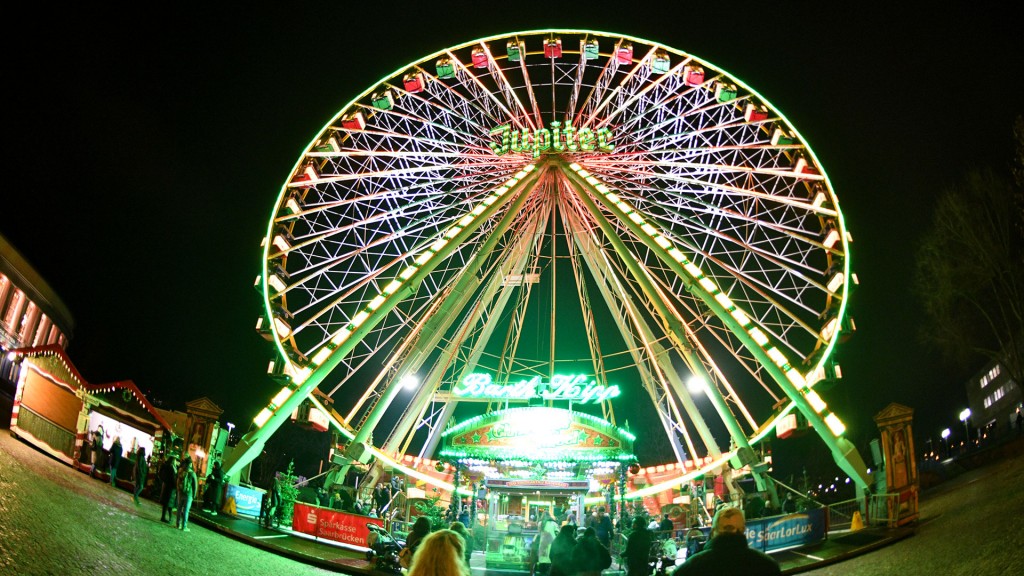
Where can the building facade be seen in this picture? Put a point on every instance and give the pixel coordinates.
(994, 399)
(31, 315)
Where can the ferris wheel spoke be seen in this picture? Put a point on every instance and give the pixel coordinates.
(597, 100)
(474, 85)
(506, 88)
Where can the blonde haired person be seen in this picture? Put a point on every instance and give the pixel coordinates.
(440, 554)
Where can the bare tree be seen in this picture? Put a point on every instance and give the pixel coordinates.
(970, 269)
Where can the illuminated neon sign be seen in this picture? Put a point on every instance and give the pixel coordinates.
(557, 140)
(576, 388)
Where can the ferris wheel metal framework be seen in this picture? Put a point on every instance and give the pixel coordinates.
(412, 227)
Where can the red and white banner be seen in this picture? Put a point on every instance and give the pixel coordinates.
(332, 524)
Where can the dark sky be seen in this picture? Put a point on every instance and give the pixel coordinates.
(145, 151)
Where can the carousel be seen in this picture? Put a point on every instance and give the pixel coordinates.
(532, 463)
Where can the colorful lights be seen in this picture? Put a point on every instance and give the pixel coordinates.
(835, 425)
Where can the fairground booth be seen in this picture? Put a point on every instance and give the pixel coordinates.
(530, 463)
(57, 411)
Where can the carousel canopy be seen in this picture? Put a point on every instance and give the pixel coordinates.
(537, 434)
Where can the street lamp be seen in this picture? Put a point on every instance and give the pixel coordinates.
(965, 415)
(945, 439)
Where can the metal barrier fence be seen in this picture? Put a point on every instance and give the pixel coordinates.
(880, 511)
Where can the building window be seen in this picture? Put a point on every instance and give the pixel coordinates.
(989, 376)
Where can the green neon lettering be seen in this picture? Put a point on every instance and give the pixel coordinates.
(561, 137)
(575, 388)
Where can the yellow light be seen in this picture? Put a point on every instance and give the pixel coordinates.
(662, 241)
(436, 246)
(636, 217)
(626, 208)
(583, 173)
(501, 190)
(740, 317)
(262, 417)
(422, 258)
(651, 231)
(520, 175)
(375, 303)
(490, 200)
(466, 220)
(478, 210)
(795, 377)
(708, 284)
(613, 198)
(276, 283)
(321, 355)
(511, 182)
(816, 402)
(602, 189)
(829, 329)
(676, 255)
(282, 328)
(341, 336)
(574, 167)
(758, 336)
(592, 181)
(724, 300)
(360, 318)
(831, 239)
(408, 272)
(392, 287)
(302, 375)
(692, 269)
(529, 168)
(835, 424)
(452, 232)
(776, 356)
(836, 282)
(281, 396)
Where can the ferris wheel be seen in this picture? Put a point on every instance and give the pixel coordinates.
(683, 214)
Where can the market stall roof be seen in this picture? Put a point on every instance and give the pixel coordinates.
(538, 434)
(122, 398)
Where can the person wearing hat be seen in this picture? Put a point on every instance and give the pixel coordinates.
(188, 485)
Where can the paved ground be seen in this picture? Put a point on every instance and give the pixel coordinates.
(54, 520)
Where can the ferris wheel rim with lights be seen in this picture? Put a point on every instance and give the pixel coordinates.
(701, 214)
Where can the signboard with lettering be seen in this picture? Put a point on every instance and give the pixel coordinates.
(332, 524)
(573, 388)
(779, 532)
(247, 500)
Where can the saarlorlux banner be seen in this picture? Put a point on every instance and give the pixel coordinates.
(332, 525)
(247, 501)
(779, 532)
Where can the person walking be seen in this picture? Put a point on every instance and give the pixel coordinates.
(168, 486)
(140, 472)
(115, 460)
(603, 529)
(440, 554)
(188, 484)
(727, 552)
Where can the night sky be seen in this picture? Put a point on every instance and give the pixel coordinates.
(145, 151)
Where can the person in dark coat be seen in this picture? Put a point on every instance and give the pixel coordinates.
(561, 551)
(168, 478)
(727, 553)
(590, 556)
(638, 549)
(214, 488)
(115, 460)
(140, 472)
